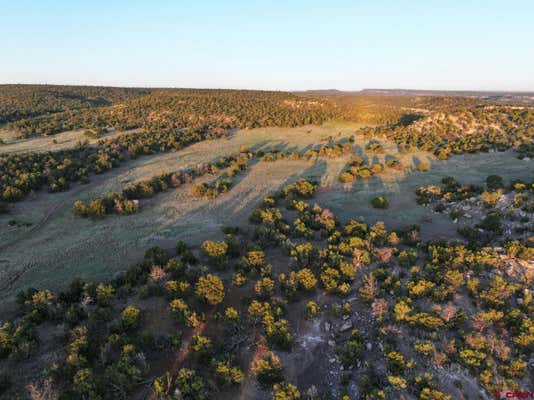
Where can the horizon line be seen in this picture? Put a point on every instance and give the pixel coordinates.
(391, 89)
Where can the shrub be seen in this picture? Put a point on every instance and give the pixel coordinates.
(254, 259)
(12, 194)
(492, 222)
(155, 256)
(268, 369)
(330, 279)
(130, 317)
(491, 198)
(312, 310)
(370, 386)
(264, 287)
(301, 188)
(228, 374)
(201, 346)
(423, 166)
(191, 386)
(285, 391)
(180, 310)
(380, 309)
(199, 189)
(211, 289)
(351, 351)
(395, 362)
(380, 202)
(398, 382)
(306, 279)
(216, 251)
(494, 182)
(346, 177)
(104, 294)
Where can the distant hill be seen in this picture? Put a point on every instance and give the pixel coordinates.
(505, 97)
(508, 97)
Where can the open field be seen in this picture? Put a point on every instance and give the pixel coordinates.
(49, 246)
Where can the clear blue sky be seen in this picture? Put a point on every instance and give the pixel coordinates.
(287, 45)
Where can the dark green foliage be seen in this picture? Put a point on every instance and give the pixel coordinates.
(192, 386)
(352, 350)
(494, 182)
(28, 101)
(5, 382)
(380, 202)
(155, 256)
(209, 110)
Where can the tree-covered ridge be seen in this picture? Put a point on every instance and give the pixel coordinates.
(476, 129)
(29, 101)
(189, 108)
(390, 110)
(476, 119)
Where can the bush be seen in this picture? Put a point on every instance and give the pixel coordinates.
(211, 289)
(306, 279)
(346, 177)
(268, 369)
(130, 317)
(155, 256)
(199, 190)
(494, 182)
(12, 194)
(301, 188)
(216, 251)
(312, 310)
(351, 351)
(380, 202)
(228, 374)
(191, 386)
(285, 391)
(423, 166)
(201, 346)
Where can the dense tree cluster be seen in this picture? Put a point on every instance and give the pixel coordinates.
(478, 129)
(56, 170)
(206, 110)
(19, 102)
(224, 182)
(358, 168)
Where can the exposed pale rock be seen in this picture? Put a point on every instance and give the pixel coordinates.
(346, 326)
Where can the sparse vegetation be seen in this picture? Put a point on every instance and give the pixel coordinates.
(380, 202)
(296, 292)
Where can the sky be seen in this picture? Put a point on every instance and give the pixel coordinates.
(279, 45)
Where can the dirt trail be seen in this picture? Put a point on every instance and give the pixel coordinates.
(183, 352)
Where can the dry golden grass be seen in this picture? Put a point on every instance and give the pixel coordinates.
(58, 246)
